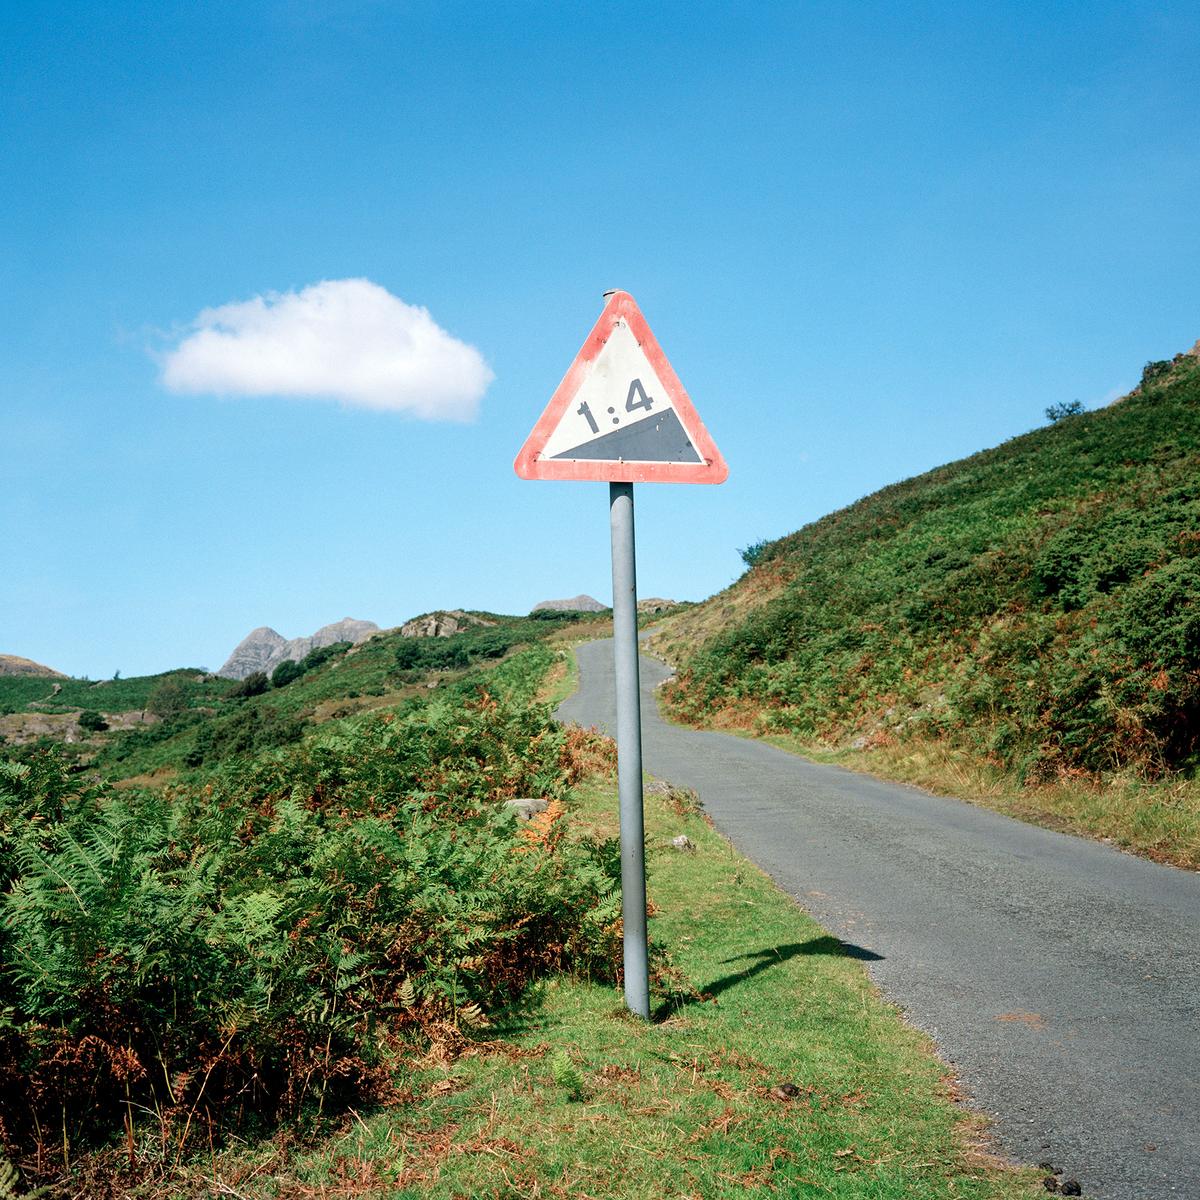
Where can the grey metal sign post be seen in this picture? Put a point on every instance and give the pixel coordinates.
(629, 748)
(621, 416)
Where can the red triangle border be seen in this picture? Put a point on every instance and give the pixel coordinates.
(713, 469)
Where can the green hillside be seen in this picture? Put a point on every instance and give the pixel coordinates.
(1036, 607)
(187, 720)
(60, 695)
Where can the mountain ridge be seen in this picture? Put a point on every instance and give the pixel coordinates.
(263, 649)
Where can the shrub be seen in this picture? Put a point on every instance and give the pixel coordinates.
(289, 671)
(169, 698)
(457, 652)
(246, 732)
(285, 673)
(255, 684)
(1154, 371)
(262, 944)
(408, 654)
(755, 553)
(92, 721)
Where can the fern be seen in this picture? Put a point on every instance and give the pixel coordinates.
(237, 944)
(8, 1180)
(566, 1074)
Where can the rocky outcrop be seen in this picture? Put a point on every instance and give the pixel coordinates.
(13, 664)
(444, 623)
(655, 604)
(575, 604)
(253, 653)
(264, 649)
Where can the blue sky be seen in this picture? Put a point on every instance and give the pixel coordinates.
(871, 238)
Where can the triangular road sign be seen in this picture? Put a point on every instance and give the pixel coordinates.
(620, 414)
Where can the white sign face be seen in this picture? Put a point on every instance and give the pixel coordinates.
(621, 411)
(620, 414)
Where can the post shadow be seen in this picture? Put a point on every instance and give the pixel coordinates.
(763, 960)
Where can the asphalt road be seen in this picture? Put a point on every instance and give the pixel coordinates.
(1060, 978)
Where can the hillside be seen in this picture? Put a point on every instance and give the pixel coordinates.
(151, 728)
(1035, 607)
(14, 664)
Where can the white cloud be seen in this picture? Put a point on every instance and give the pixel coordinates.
(341, 339)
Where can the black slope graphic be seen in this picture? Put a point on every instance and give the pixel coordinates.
(653, 439)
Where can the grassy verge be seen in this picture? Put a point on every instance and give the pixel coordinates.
(1159, 820)
(775, 1070)
(1156, 819)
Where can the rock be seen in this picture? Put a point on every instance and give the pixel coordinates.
(1050, 1183)
(859, 743)
(263, 649)
(785, 1091)
(684, 844)
(575, 604)
(255, 652)
(526, 807)
(1071, 1187)
(444, 623)
(655, 604)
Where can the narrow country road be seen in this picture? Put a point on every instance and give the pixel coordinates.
(1059, 977)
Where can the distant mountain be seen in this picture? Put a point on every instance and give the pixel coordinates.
(263, 649)
(575, 604)
(12, 664)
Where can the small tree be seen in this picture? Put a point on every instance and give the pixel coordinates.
(285, 673)
(92, 722)
(1153, 371)
(253, 685)
(169, 698)
(1056, 412)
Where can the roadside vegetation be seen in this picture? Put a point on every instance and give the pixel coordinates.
(772, 1068)
(171, 726)
(1023, 625)
(335, 964)
(253, 948)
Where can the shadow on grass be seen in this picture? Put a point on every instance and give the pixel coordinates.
(763, 960)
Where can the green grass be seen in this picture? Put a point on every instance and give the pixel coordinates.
(572, 1097)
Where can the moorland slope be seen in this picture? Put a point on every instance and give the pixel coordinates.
(1035, 607)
